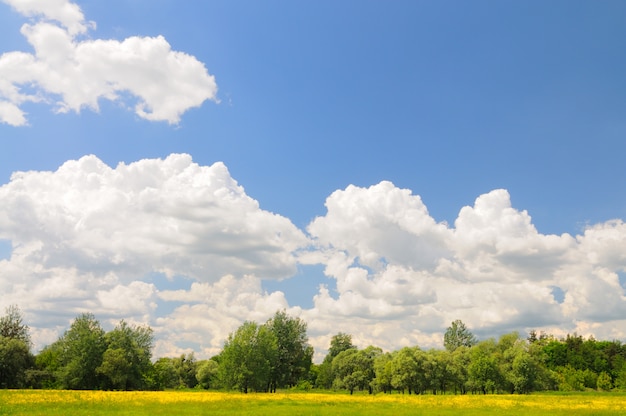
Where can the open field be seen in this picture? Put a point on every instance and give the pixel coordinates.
(94, 403)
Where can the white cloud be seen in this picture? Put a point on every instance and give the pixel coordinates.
(400, 274)
(76, 73)
(89, 237)
(210, 311)
(62, 11)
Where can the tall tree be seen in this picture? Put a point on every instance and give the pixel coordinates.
(126, 362)
(294, 354)
(247, 357)
(458, 335)
(81, 351)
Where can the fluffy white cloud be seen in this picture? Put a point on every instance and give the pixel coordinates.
(182, 247)
(210, 311)
(401, 277)
(89, 237)
(75, 73)
(62, 11)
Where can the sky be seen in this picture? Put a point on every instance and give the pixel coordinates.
(374, 168)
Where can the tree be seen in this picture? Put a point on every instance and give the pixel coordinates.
(294, 354)
(12, 325)
(207, 373)
(126, 362)
(355, 368)
(383, 372)
(458, 335)
(186, 368)
(437, 370)
(15, 358)
(81, 351)
(483, 371)
(338, 343)
(164, 375)
(247, 357)
(15, 355)
(459, 363)
(407, 368)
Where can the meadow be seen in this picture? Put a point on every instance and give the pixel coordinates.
(95, 403)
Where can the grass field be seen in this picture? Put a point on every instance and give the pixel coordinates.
(95, 403)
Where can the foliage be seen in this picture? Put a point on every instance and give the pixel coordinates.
(354, 369)
(458, 335)
(15, 356)
(81, 351)
(277, 355)
(338, 343)
(247, 358)
(206, 374)
(126, 360)
(13, 327)
(294, 355)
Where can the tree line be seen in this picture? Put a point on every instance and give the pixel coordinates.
(276, 355)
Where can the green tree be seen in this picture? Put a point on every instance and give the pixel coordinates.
(459, 362)
(457, 335)
(437, 370)
(15, 358)
(383, 372)
(164, 374)
(81, 351)
(186, 369)
(407, 369)
(15, 355)
(247, 357)
(483, 371)
(294, 354)
(207, 373)
(355, 368)
(604, 381)
(126, 362)
(12, 325)
(338, 343)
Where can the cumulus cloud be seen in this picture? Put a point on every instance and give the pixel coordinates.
(401, 277)
(183, 248)
(73, 73)
(88, 237)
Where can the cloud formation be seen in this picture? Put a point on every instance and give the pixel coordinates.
(89, 237)
(401, 277)
(182, 248)
(73, 73)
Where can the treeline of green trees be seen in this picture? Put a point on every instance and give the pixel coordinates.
(276, 355)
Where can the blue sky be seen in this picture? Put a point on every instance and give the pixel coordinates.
(450, 100)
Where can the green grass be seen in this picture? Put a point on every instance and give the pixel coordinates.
(79, 403)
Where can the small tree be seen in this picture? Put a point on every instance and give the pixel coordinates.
(207, 373)
(458, 335)
(12, 325)
(338, 343)
(15, 355)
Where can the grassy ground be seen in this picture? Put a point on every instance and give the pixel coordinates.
(96, 403)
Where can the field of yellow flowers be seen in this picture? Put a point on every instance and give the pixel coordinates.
(94, 403)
